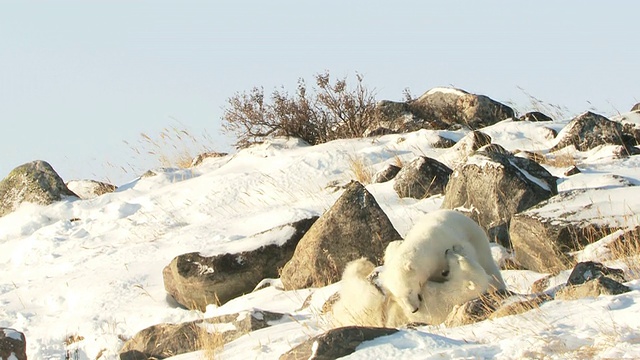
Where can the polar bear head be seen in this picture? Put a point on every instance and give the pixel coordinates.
(467, 278)
(406, 273)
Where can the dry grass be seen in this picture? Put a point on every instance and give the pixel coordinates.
(537, 104)
(560, 159)
(397, 161)
(208, 340)
(626, 249)
(362, 172)
(175, 146)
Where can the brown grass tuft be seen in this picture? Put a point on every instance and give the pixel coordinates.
(362, 172)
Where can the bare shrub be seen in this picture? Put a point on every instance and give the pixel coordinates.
(329, 111)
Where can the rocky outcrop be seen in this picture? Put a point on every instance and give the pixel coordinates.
(590, 130)
(166, 340)
(335, 343)
(440, 108)
(90, 189)
(456, 107)
(421, 178)
(355, 226)
(545, 236)
(195, 281)
(13, 345)
(493, 186)
(35, 182)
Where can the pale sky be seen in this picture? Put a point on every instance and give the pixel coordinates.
(79, 78)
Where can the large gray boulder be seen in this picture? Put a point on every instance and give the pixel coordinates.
(589, 130)
(456, 107)
(421, 178)
(194, 280)
(35, 182)
(438, 109)
(335, 343)
(354, 227)
(494, 186)
(166, 340)
(545, 237)
(13, 344)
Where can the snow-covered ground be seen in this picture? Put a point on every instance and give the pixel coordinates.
(93, 268)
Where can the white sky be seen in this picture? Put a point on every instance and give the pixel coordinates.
(77, 78)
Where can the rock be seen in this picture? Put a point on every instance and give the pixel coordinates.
(443, 143)
(636, 107)
(355, 226)
(494, 305)
(477, 309)
(467, 146)
(545, 236)
(165, 340)
(195, 281)
(34, 182)
(519, 304)
(572, 171)
(455, 107)
(495, 148)
(534, 116)
(439, 109)
(593, 288)
(421, 178)
(589, 270)
(90, 189)
(541, 284)
(495, 186)
(210, 154)
(387, 173)
(335, 343)
(13, 344)
(395, 117)
(590, 130)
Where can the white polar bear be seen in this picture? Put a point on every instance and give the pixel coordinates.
(411, 262)
(364, 303)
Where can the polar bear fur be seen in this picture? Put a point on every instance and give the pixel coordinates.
(411, 262)
(365, 304)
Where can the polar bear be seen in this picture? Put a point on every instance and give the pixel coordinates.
(367, 303)
(411, 262)
(466, 281)
(361, 301)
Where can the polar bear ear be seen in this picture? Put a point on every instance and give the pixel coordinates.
(407, 266)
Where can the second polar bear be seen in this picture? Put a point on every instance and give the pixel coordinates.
(411, 262)
(365, 304)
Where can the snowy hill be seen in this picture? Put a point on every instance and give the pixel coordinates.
(93, 268)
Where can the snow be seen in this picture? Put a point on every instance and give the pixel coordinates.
(446, 90)
(93, 267)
